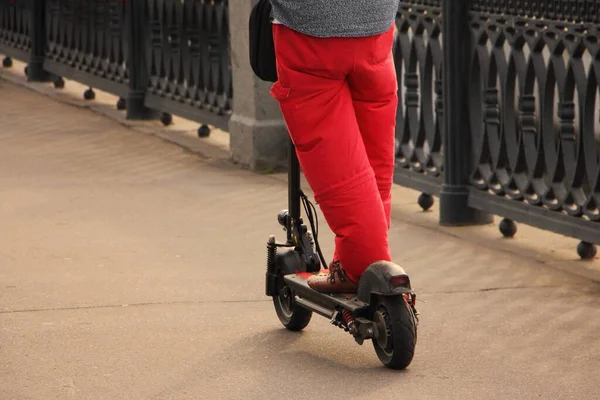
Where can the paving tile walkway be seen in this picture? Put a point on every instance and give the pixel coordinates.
(132, 269)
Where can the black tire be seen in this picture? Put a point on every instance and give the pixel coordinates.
(401, 332)
(292, 316)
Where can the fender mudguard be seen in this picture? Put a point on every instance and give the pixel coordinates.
(377, 280)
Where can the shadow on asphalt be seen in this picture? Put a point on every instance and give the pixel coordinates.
(335, 357)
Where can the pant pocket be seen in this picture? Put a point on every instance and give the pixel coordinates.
(280, 92)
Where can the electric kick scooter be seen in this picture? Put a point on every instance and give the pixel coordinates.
(383, 309)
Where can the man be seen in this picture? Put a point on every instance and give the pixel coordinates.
(337, 91)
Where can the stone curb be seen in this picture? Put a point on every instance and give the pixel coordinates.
(181, 132)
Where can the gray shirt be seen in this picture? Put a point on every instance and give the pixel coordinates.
(336, 18)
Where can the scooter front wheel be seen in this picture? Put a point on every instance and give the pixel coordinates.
(291, 315)
(396, 332)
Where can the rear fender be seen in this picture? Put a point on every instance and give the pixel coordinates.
(383, 278)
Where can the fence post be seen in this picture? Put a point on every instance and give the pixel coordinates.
(454, 195)
(258, 135)
(137, 62)
(35, 67)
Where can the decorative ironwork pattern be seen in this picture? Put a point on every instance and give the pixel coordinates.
(15, 32)
(557, 10)
(534, 108)
(188, 53)
(88, 36)
(419, 3)
(418, 57)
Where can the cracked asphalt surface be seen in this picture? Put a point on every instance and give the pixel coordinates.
(131, 269)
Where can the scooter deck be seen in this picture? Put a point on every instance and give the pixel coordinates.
(298, 283)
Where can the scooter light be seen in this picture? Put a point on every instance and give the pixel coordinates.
(399, 280)
(282, 217)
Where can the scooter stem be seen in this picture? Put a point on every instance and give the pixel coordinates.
(293, 185)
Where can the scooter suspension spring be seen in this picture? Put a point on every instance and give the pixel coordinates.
(348, 319)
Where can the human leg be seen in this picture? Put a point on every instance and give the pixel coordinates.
(374, 87)
(316, 102)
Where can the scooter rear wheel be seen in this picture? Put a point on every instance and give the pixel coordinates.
(397, 327)
(291, 315)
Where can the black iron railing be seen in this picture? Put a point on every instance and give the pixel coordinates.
(519, 134)
(534, 114)
(418, 57)
(87, 41)
(188, 58)
(15, 29)
(168, 56)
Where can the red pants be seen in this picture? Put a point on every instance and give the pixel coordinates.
(338, 97)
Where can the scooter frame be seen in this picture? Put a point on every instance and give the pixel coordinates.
(302, 257)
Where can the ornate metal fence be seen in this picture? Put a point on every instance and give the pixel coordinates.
(15, 32)
(530, 102)
(160, 55)
(534, 118)
(188, 58)
(418, 56)
(87, 41)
